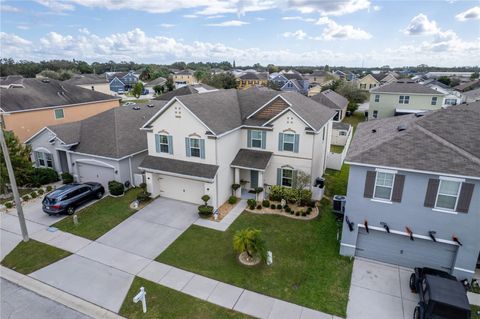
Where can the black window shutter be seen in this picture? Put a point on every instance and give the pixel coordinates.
(398, 188)
(465, 197)
(431, 194)
(369, 184)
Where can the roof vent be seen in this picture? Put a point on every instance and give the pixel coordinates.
(45, 80)
(374, 131)
(402, 127)
(136, 108)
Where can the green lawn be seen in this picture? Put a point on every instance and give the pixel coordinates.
(97, 219)
(475, 312)
(32, 255)
(163, 302)
(336, 149)
(307, 269)
(356, 118)
(336, 181)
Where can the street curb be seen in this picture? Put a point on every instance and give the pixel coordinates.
(57, 295)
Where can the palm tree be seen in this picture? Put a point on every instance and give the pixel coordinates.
(249, 241)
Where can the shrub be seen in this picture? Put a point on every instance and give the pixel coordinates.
(304, 214)
(40, 191)
(309, 210)
(234, 188)
(143, 185)
(291, 212)
(232, 200)
(41, 176)
(205, 211)
(297, 214)
(265, 203)
(116, 188)
(286, 206)
(67, 178)
(259, 206)
(312, 204)
(272, 206)
(287, 209)
(8, 205)
(251, 207)
(251, 202)
(144, 196)
(33, 195)
(205, 199)
(276, 193)
(279, 206)
(25, 197)
(49, 188)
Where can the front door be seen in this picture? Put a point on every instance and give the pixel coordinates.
(253, 179)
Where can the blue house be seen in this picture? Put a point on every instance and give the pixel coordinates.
(121, 80)
(291, 81)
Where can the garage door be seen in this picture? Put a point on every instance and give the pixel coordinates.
(400, 250)
(94, 173)
(181, 189)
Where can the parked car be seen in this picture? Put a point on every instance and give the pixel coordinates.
(120, 91)
(145, 91)
(68, 197)
(129, 103)
(442, 296)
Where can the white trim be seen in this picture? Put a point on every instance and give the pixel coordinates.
(445, 211)
(196, 178)
(291, 110)
(381, 170)
(384, 201)
(94, 163)
(292, 86)
(271, 100)
(348, 245)
(412, 170)
(452, 179)
(62, 106)
(465, 270)
(106, 157)
(42, 149)
(248, 168)
(457, 197)
(40, 131)
(397, 232)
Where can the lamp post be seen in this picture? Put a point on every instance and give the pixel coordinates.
(13, 183)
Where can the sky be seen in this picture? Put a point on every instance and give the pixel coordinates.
(350, 33)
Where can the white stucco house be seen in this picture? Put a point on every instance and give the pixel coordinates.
(203, 143)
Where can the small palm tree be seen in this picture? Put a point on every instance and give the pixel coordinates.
(249, 241)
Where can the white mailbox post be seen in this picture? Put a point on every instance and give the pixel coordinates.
(269, 258)
(141, 296)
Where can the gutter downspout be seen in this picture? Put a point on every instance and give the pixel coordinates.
(216, 177)
(131, 171)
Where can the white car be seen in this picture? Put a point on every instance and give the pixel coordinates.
(129, 103)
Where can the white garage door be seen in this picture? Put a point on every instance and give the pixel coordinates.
(94, 173)
(181, 189)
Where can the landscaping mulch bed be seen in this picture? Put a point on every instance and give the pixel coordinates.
(293, 207)
(224, 210)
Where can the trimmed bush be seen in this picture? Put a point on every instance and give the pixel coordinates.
(41, 176)
(8, 205)
(67, 178)
(272, 206)
(287, 209)
(49, 188)
(40, 191)
(304, 214)
(309, 210)
(234, 188)
(143, 197)
(292, 212)
(251, 202)
(259, 206)
(311, 204)
(116, 188)
(33, 195)
(143, 185)
(205, 211)
(297, 214)
(232, 200)
(251, 207)
(265, 203)
(279, 206)
(25, 197)
(205, 199)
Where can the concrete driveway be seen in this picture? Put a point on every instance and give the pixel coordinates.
(151, 230)
(380, 291)
(32, 210)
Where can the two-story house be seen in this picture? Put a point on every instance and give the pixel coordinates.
(120, 82)
(291, 81)
(413, 195)
(451, 96)
(94, 82)
(203, 143)
(402, 97)
(184, 77)
(252, 79)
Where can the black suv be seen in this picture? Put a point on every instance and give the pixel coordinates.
(68, 197)
(442, 296)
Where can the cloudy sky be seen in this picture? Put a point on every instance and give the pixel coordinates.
(285, 32)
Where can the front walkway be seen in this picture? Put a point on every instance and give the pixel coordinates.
(226, 221)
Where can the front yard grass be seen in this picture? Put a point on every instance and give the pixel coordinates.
(307, 268)
(100, 217)
(163, 302)
(32, 255)
(475, 312)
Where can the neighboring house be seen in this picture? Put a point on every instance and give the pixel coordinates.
(203, 143)
(368, 82)
(121, 81)
(402, 97)
(27, 105)
(291, 81)
(451, 96)
(158, 81)
(340, 74)
(105, 147)
(413, 195)
(184, 77)
(334, 101)
(462, 76)
(472, 95)
(340, 133)
(185, 90)
(94, 82)
(318, 77)
(251, 79)
(467, 86)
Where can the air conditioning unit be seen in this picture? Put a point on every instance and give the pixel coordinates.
(339, 204)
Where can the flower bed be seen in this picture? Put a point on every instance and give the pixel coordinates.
(294, 211)
(224, 210)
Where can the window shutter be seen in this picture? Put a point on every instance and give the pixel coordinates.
(249, 138)
(157, 143)
(280, 141)
(279, 176)
(294, 178)
(369, 184)
(465, 197)
(170, 144)
(398, 188)
(431, 194)
(202, 148)
(187, 146)
(297, 141)
(264, 139)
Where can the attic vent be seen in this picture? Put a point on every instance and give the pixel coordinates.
(45, 80)
(402, 127)
(374, 131)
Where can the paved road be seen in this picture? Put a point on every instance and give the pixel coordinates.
(21, 303)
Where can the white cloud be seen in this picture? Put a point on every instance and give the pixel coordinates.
(260, 19)
(299, 35)
(376, 8)
(190, 16)
(167, 25)
(334, 30)
(230, 23)
(56, 5)
(470, 14)
(421, 25)
(217, 16)
(329, 7)
(8, 8)
(299, 18)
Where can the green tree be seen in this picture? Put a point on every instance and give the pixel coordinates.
(20, 158)
(221, 81)
(201, 75)
(272, 68)
(170, 85)
(445, 80)
(137, 90)
(249, 241)
(159, 89)
(475, 75)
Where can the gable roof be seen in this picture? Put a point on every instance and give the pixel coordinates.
(331, 99)
(157, 81)
(262, 76)
(185, 90)
(41, 93)
(405, 87)
(83, 79)
(440, 141)
(114, 133)
(185, 72)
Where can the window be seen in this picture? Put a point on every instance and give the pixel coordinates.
(371, 85)
(447, 196)
(59, 114)
(363, 85)
(194, 147)
(450, 101)
(434, 100)
(288, 142)
(342, 133)
(164, 145)
(290, 84)
(404, 99)
(287, 177)
(384, 185)
(377, 98)
(375, 114)
(43, 159)
(256, 139)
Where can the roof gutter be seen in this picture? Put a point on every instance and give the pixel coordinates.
(57, 106)
(197, 178)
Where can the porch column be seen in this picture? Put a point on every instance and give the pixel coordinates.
(238, 192)
(261, 196)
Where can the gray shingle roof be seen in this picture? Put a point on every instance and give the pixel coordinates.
(40, 93)
(331, 99)
(185, 72)
(157, 81)
(186, 168)
(405, 87)
(341, 126)
(82, 79)
(114, 133)
(252, 159)
(442, 141)
(184, 90)
(254, 76)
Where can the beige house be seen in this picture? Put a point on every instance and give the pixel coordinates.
(28, 105)
(368, 82)
(94, 82)
(184, 77)
(401, 98)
